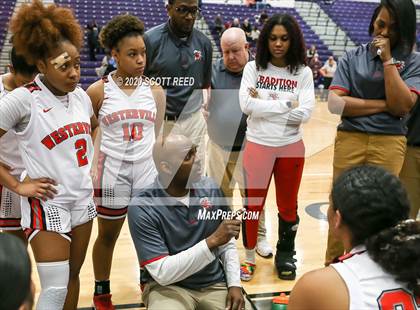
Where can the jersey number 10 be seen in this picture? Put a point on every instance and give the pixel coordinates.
(133, 132)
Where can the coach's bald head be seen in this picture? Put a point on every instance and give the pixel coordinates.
(235, 49)
(176, 161)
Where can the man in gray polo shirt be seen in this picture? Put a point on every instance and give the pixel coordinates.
(188, 262)
(179, 57)
(226, 123)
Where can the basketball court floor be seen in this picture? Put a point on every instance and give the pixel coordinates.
(319, 134)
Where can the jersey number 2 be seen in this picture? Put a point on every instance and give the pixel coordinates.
(81, 148)
(133, 132)
(397, 299)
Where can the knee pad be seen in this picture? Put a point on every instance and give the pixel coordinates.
(54, 278)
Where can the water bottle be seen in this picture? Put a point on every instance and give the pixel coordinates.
(280, 302)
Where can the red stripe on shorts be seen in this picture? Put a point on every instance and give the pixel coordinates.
(111, 212)
(11, 222)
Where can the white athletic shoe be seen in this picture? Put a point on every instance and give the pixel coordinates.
(264, 248)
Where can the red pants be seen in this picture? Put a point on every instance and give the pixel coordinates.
(259, 164)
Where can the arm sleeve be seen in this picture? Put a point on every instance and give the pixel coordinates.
(253, 106)
(14, 108)
(341, 78)
(175, 268)
(229, 256)
(306, 99)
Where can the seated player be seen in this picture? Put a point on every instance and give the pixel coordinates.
(16, 287)
(368, 213)
(179, 252)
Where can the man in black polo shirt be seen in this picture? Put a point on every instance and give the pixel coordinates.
(410, 172)
(189, 262)
(226, 123)
(179, 58)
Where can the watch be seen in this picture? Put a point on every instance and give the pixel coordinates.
(390, 62)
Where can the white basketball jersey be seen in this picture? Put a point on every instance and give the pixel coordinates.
(370, 287)
(57, 143)
(9, 148)
(127, 122)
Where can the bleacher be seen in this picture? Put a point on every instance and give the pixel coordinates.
(229, 12)
(6, 11)
(351, 16)
(151, 12)
(354, 17)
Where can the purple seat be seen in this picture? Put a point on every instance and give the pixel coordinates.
(6, 11)
(352, 16)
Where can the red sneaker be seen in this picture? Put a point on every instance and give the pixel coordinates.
(103, 302)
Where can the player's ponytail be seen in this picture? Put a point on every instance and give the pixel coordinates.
(397, 251)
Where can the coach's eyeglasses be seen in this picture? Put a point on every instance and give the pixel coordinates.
(184, 10)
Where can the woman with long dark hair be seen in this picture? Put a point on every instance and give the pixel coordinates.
(277, 94)
(368, 213)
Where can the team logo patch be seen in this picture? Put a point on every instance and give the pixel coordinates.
(205, 203)
(197, 55)
(273, 96)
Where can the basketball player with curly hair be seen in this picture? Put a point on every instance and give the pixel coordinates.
(130, 109)
(53, 120)
(368, 213)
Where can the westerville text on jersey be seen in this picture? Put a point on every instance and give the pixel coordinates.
(63, 133)
(122, 115)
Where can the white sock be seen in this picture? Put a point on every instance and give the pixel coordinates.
(54, 279)
(261, 237)
(250, 256)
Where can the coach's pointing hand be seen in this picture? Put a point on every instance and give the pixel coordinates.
(226, 230)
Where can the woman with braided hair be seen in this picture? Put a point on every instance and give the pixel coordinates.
(53, 121)
(368, 213)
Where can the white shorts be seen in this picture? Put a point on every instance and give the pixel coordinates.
(116, 180)
(10, 214)
(40, 215)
